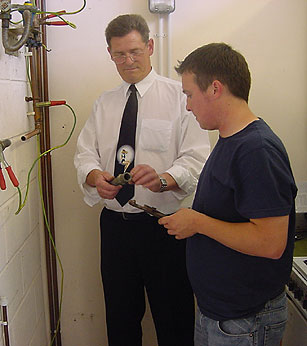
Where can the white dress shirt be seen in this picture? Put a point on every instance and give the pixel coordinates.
(168, 138)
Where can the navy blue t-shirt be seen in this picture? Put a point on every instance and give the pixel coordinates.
(247, 176)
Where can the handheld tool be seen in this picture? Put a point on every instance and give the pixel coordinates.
(149, 210)
(7, 167)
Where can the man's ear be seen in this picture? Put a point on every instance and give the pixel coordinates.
(150, 46)
(109, 50)
(217, 88)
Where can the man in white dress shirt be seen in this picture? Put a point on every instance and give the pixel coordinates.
(170, 151)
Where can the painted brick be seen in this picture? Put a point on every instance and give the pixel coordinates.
(21, 156)
(11, 285)
(39, 337)
(22, 325)
(20, 258)
(5, 64)
(14, 109)
(39, 297)
(35, 205)
(2, 247)
(16, 228)
(30, 259)
(18, 66)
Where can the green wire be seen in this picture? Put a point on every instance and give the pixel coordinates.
(66, 21)
(19, 195)
(56, 13)
(54, 248)
(21, 205)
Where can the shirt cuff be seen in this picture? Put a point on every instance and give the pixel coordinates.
(91, 196)
(185, 181)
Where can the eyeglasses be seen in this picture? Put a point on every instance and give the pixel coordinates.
(121, 58)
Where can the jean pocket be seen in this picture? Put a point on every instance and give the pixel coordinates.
(273, 333)
(238, 327)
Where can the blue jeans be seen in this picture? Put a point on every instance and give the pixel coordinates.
(263, 329)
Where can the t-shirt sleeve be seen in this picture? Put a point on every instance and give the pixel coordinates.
(264, 185)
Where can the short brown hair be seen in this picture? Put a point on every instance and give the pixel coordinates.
(218, 61)
(124, 24)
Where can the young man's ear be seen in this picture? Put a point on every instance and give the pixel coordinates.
(217, 88)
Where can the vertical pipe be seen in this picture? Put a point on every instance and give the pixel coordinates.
(5, 326)
(169, 49)
(34, 88)
(160, 36)
(5, 321)
(35, 93)
(45, 92)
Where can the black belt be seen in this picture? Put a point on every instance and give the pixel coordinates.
(128, 216)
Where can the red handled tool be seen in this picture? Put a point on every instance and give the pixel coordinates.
(2, 181)
(9, 172)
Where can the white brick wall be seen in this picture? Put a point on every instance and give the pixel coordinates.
(21, 272)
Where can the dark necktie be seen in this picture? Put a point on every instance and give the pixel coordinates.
(126, 145)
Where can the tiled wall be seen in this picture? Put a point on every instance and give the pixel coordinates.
(21, 257)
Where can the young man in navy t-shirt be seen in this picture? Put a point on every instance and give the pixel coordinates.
(241, 228)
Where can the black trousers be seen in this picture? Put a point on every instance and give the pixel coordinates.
(137, 254)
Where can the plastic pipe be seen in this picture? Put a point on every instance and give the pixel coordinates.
(160, 34)
(169, 50)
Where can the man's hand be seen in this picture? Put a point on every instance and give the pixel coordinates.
(147, 177)
(101, 180)
(181, 224)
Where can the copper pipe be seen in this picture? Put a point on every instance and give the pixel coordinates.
(34, 87)
(30, 134)
(39, 85)
(5, 326)
(36, 84)
(5, 322)
(49, 186)
(50, 195)
(35, 73)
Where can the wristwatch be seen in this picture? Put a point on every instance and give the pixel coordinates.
(163, 184)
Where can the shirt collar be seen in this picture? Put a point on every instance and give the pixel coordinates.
(143, 85)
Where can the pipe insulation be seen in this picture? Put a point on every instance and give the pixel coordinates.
(26, 15)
